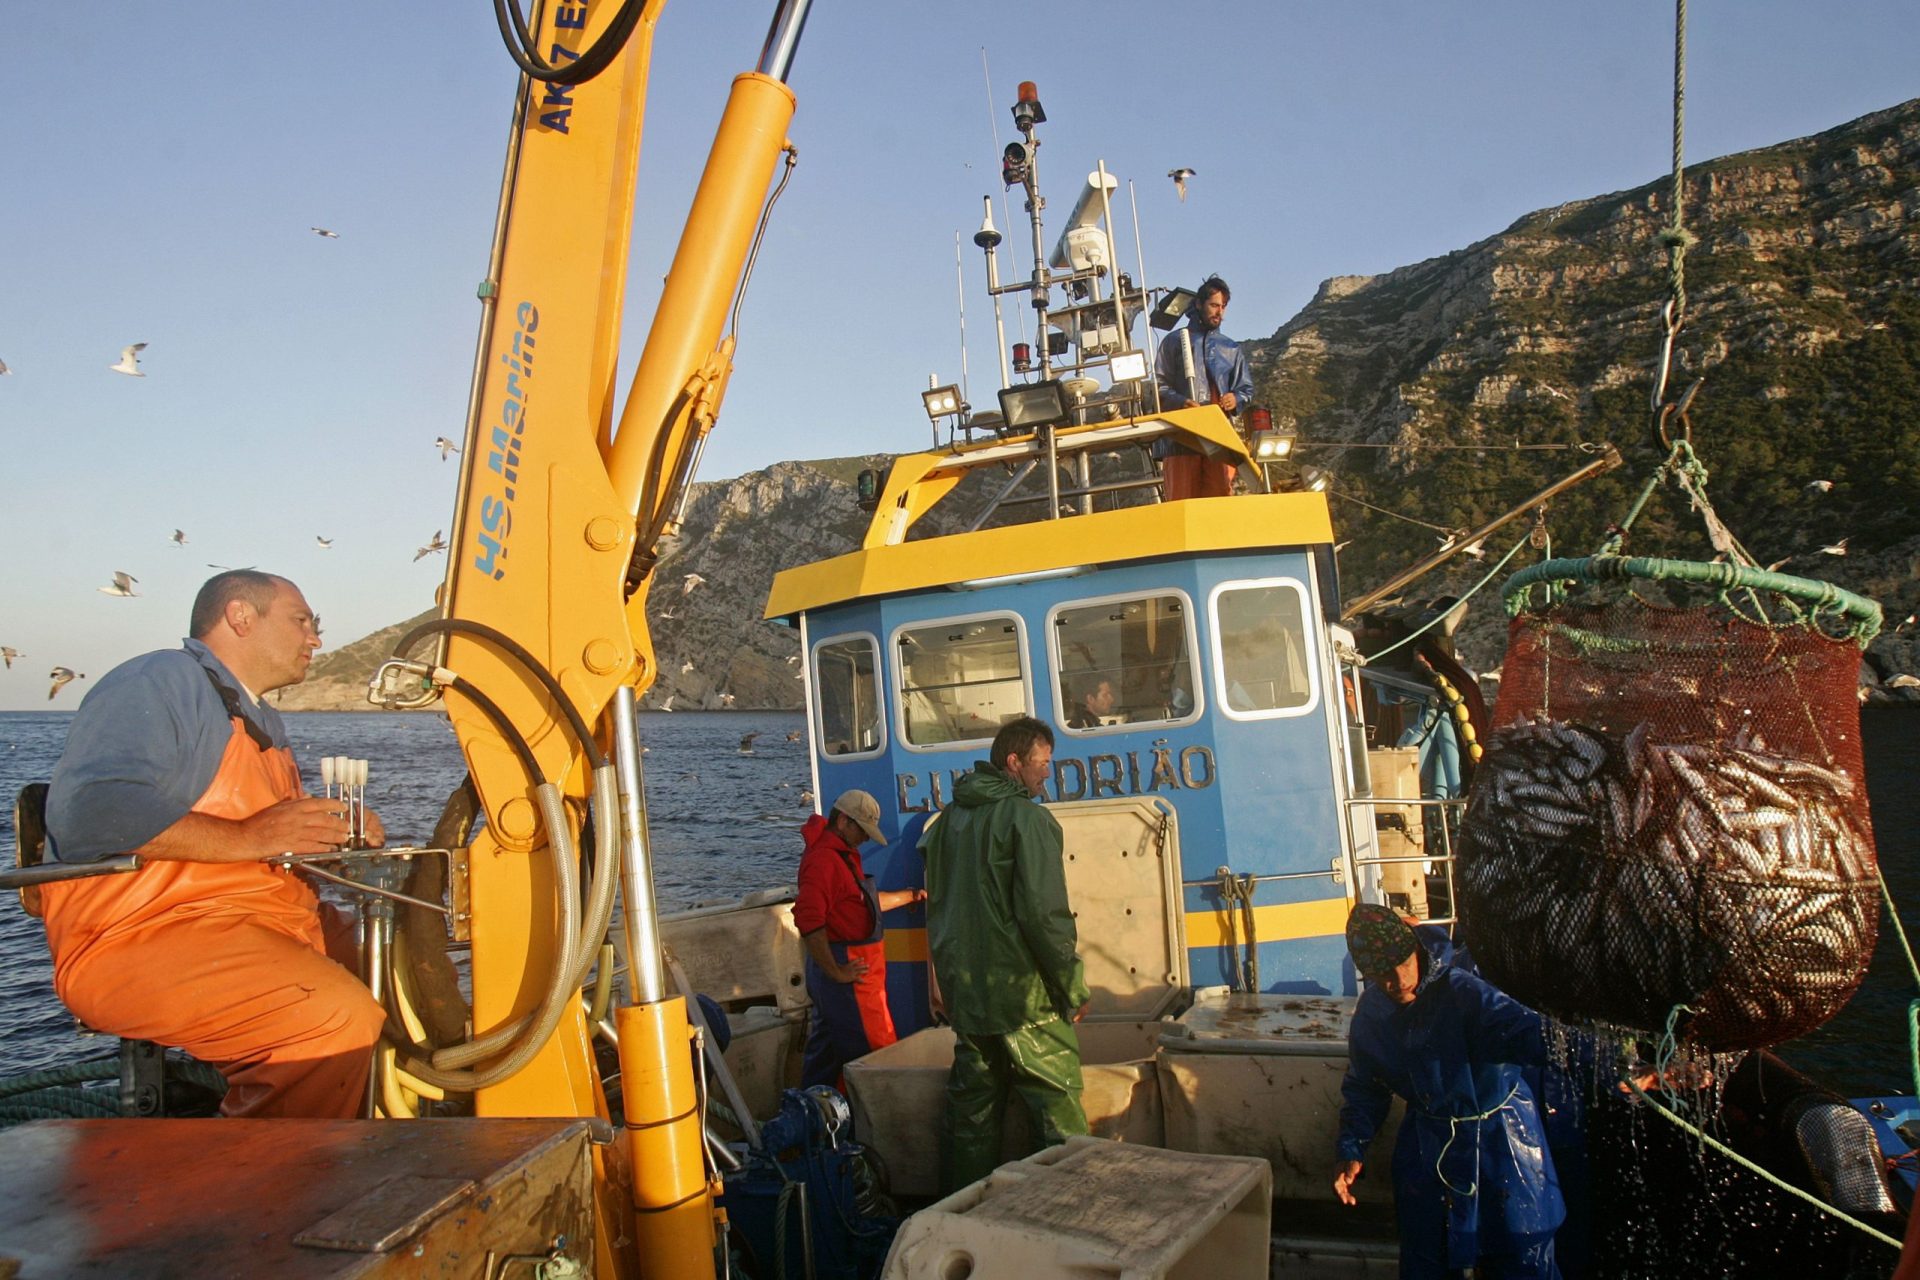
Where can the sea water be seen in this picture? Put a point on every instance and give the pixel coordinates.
(726, 823)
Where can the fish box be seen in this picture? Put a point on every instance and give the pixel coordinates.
(899, 1095)
(1093, 1208)
(762, 1041)
(745, 951)
(1259, 1075)
(1122, 862)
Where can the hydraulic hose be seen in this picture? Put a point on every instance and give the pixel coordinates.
(528, 663)
(580, 940)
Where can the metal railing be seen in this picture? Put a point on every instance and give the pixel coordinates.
(1435, 840)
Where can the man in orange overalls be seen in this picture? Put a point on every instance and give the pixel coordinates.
(175, 756)
(837, 913)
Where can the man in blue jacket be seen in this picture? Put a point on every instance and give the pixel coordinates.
(1473, 1183)
(1201, 365)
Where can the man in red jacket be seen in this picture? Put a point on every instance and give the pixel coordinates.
(838, 915)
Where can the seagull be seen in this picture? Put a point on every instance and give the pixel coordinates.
(1555, 392)
(1180, 177)
(439, 543)
(225, 568)
(324, 233)
(806, 796)
(1476, 549)
(686, 666)
(179, 537)
(130, 361)
(122, 585)
(326, 544)
(61, 676)
(794, 736)
(668, 704)
(1777, 564)
(3, 368)
(1819, 486)
(1904, 681)
(1838, 548)
(746, 742)
(445, 446)
(689, 582)
(668, 615)
(1902, 625)
(726, 699)
(792, 658)
(9, 654)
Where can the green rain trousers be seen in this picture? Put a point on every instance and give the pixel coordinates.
(1039, 1062)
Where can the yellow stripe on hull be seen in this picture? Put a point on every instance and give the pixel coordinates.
(1275, 922)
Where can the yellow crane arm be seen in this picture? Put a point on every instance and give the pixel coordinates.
(553, 503)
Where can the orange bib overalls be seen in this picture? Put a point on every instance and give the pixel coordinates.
(227, 961)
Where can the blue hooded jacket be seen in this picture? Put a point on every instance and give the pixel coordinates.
(1471, 1172)
(1213, 353)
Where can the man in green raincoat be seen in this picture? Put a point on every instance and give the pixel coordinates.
(1003, 944)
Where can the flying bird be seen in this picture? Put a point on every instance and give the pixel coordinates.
(726, 699)
(794, 736)
(1477, 549)
(122, 585)
(1904, 681)
(686, 666)
(179, 538)
(61, 676)
(668, 615)
(130, 361)
(1180, 177)
(689, 582)
(1777, 564)
(746, 742)
(1837, 548)
(439, 543)
(9, 654)
(325, 544)
(3, 367)
(668, 704)
(445, 446)
(323, 232)
(1819, 486)
(227, 568)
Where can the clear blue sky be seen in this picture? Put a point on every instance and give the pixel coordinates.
(165, 161)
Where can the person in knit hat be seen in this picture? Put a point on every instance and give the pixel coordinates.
(1474, 1184)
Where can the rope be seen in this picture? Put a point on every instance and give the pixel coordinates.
(1913, 967)
(52, 1077)
(1411, 636)
(1453, 1128)
(1675, 234)
(1708, 1139)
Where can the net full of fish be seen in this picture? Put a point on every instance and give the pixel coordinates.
(1608, 878)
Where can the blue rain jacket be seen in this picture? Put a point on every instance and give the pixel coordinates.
(1471, 1172)
(1213, 353)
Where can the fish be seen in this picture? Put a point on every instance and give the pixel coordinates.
(1610, 877)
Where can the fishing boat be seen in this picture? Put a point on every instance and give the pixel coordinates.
(1239, 787)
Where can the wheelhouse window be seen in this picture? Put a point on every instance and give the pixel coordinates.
(846, 683)
(1263, 652)
(1124, 660)
(960, 680)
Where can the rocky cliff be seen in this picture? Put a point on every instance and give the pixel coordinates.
(1446, 391)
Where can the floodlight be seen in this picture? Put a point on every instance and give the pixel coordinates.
(942, 402)
(1314, 480)
(1173, 306)
(1273, 445)
(1129, 366)
(1034, 405)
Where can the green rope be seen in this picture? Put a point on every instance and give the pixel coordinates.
(1431, 624)
(1861, 616)
(71, 1073)
(1913, 967)
(1689, 1127)
(61, 1104)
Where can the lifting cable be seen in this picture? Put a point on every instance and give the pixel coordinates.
(1675, 234)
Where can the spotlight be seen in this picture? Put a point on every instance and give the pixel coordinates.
(1130, 366)
(1034, 405)
(942, 402)
(1314, 480)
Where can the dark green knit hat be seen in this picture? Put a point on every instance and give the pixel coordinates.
(1378, 939)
